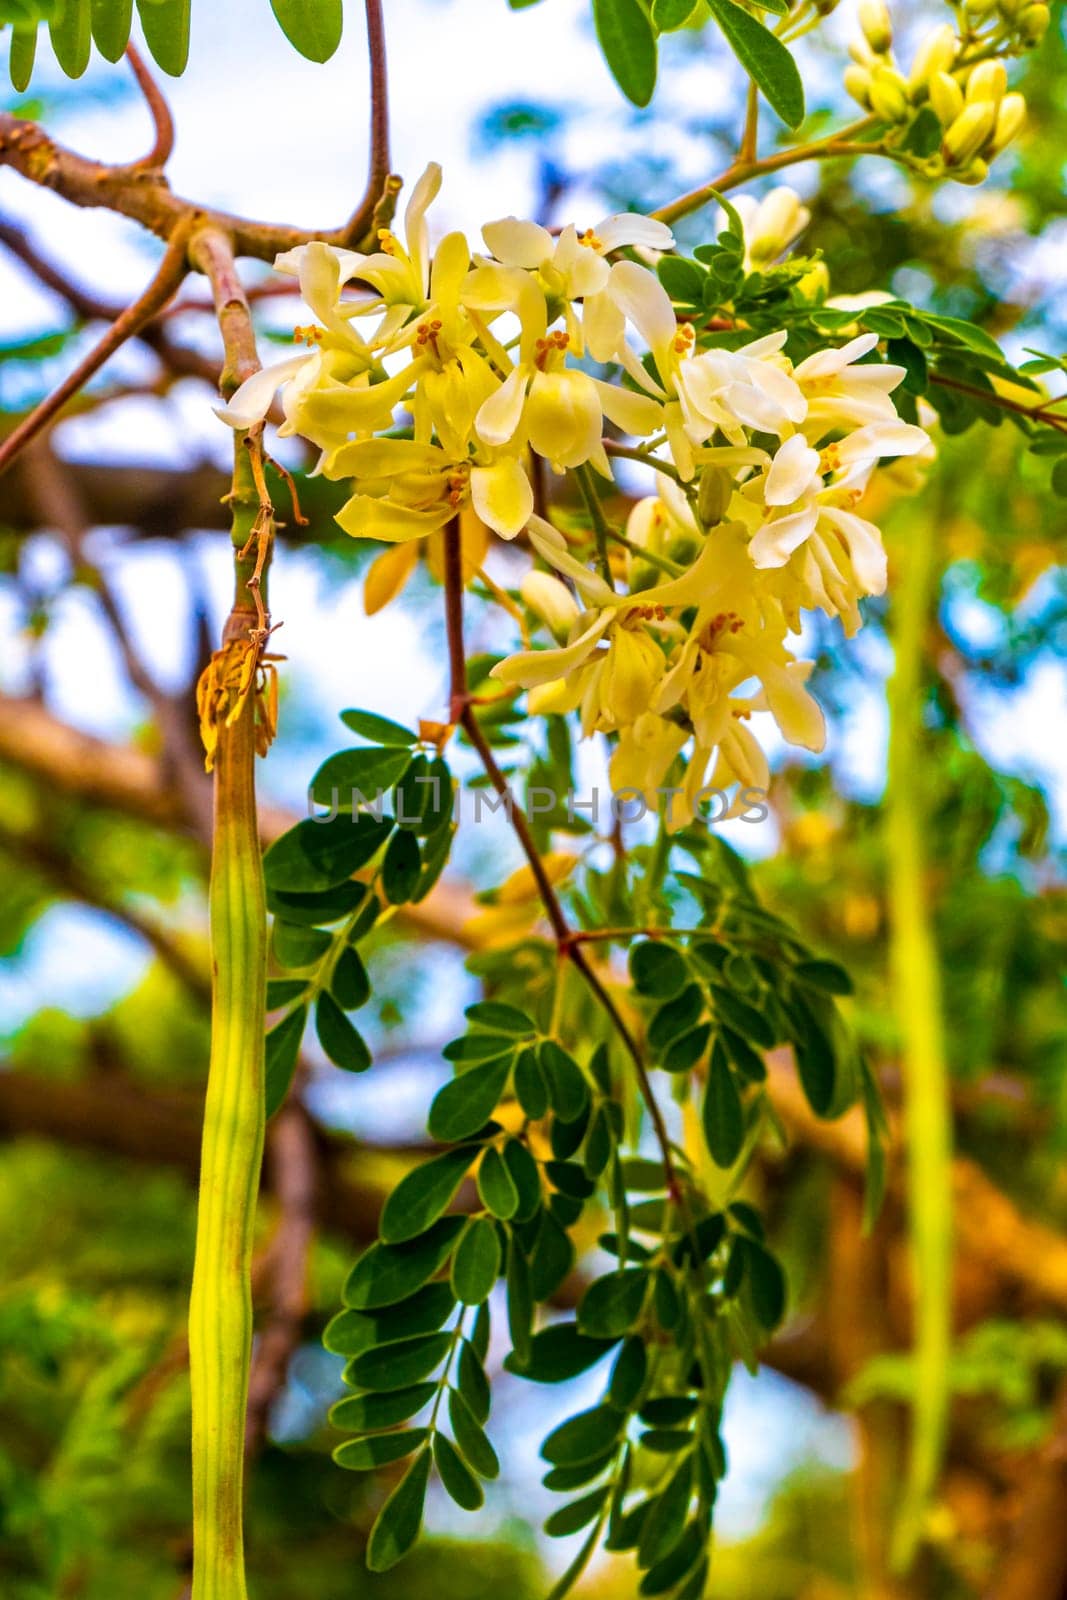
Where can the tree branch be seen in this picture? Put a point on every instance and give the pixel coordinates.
(158, 110)
(172, 269)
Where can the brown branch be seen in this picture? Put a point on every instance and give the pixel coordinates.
(211, 251)
(170, 273)
(1038, 413)
(381, 185)
(144, 197)
(158, 110)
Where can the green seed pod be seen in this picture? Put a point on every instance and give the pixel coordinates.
(714, 493)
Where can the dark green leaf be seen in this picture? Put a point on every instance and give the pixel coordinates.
(670, 14)
(281, 991)
(466, 1104)
(665, 1523)
(476, 1263)
(563, 1479)
(568, 1091)
(349, 1333)
(658, 970)
(398, 1522)
(401, 867)
(479, 1046)
(612, 1304)
(580, 1438)
(496, 1186)
(743, 1018)
(560, 1352)
(748, 1063)
(683, 280)
(825, 975)
(766, 1285)
(343, 1043)
(396, 1366)
(724, 1115)
(629, 46)
(676, 1017)
(297, 947)
(315, 856)
(471, 1439)
(578, 1514)
(499, 1018)
(363, 774)
(459, 1481)
(314, 28)
(422, 800)
(422, 1195)
(367, 1413)
(350, 985)
(685, 1052)
(22, 55)
(282, 1049)
(387, 1273)
(764, 58)
(379, 730)
(552, 1258)
(520, 1303)
(526, 1178)
(363, 1455)
(628, 1373)
(471, 1380)
(320, 908)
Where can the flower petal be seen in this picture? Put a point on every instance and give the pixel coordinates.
(794, 470)
(499, 417)
(531, 667)
(502, 496)
(517, 243)
(250, 403)
(775, 542)
(631, 228)
(365, 517)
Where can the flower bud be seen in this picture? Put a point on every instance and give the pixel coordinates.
(1010, 118)
(550, 600)
(977, 172)
(876, 24)
(814, 286)
(1033, 24)
(889, 95)
(778, 219)
(946, 97)
(858, 84)
(1011, 8)
(714, 493)
(936, 54)
(979, 8)
(988, 82)
(967, 135)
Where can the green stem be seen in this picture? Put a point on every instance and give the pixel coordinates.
(584, 476)
(917, 994)
(220, 1309)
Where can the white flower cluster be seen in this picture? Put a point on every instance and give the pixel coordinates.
(762, 464)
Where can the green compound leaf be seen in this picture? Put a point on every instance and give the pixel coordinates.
(625, 35)
(764, 58)
(315, 856)
(387, 1273)
(398, 1522)
(401, 867)
(422, 1195)
(363, 1455)
(658, 970)
(367, 773)
(766, 1285)
(497, 1188)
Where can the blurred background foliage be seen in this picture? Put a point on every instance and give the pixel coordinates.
(99, 1096)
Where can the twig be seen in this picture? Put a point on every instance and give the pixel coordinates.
(746, 151)
(162, 121)
(379, 178)
(461, 710)
(172, 270)
(1038, 413)
(842, 143)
